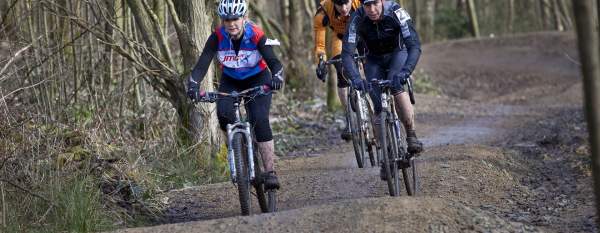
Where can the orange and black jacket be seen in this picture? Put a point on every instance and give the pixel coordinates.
(327, 16)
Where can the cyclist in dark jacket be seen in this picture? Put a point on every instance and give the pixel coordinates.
(245, 53)
(393, 52)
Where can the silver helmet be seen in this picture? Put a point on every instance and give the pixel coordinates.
(231, 9)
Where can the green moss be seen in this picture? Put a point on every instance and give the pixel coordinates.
(423, 84)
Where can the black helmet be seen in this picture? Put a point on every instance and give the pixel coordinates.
(340, 2)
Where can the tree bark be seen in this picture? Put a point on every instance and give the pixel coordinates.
(511, 16)
(402, 3)
(296, 71)
(589, 49)
(546, 12)
(415, 14)
(558, 22)
(429, 26)
(473, 18)
(193, 27)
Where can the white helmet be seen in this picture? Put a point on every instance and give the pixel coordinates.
(231, 9)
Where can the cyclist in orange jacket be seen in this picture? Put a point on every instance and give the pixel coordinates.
(335, 15)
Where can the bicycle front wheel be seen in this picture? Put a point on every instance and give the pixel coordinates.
(388, 146)
(369, 134)
(272, 198)
(240, 152)
(354, 120)
(411, 178)
(392, 135)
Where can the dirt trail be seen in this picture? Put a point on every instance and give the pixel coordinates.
(486, 167)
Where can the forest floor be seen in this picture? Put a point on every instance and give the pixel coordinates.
(506, 151)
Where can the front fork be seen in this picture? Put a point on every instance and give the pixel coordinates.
(364, 113)
(243, 128)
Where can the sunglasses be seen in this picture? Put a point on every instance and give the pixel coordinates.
(231, 19)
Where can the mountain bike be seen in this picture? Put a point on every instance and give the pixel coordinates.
(394, 153)
(358, 114)
(244, 161)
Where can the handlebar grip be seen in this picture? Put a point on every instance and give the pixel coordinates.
(410, 91)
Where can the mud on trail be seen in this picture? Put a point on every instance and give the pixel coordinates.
(506, 151)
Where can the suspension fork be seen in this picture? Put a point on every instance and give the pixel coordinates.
(244, 129)
(362, 108)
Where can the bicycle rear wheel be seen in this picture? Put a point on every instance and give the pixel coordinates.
(239, 145)
(353, 120)
(258, 184)
(267, 200)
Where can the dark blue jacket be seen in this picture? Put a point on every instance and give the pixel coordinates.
(393, 32)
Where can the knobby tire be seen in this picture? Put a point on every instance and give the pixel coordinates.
(386, 154)
(353, 120)
(394, 148)
(259, 184)
(242, 172)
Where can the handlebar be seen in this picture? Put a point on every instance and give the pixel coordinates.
(382, 83)
(211, 97)
(356, 57)
(389, 84)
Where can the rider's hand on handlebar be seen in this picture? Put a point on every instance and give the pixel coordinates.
(277, 80)
(193, 90)
(208, 97)
(400, 79)
(321, 69)
(358, 84)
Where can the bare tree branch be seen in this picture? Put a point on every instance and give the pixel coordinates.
(8, 11)
(28, 191)
(23, 88)
(162, 43)
(12, 59)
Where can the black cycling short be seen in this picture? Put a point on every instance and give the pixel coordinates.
(384, 66)
(257, 108)
(342, 82)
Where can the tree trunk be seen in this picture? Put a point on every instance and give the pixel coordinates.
(193, 27)
(285, 14)
(558, 22)
(159, 9)
(415, 14)
(511, 16)
(402, 3)
(427, 24)
(473, 18)
(296, 71)
(568, 18)
(589, 48)
(546, 12)
(108, 51)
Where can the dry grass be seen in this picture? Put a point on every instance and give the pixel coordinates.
(90, 174)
